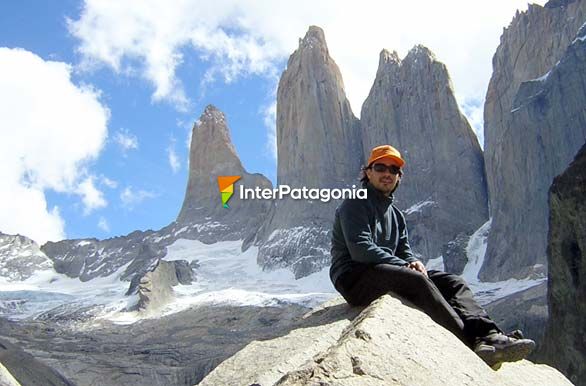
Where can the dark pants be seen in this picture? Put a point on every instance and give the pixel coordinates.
(445, 297)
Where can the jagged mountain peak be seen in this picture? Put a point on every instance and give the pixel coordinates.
(20, 257)
(314, 37)
(388, 58)
(211, 141)
(213, 154)
(418, 58)
(557, 3)
(412, 106)
(420, 51)
(212, 113)
(535, 76)
(315, 127)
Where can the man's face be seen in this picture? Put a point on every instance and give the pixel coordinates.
(384, 180)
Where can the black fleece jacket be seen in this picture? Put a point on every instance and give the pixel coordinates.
(368, 232)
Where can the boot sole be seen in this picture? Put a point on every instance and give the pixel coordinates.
(509, 353)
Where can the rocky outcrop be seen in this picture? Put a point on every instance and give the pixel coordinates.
(565, 343)
(91, 258)
(318, 146)
(388, 343)
(181, 272)
(212, 154)
(455, 256)
(21, 257)
(21, 367)
(412, 106)
(533, 125)
(155, 288)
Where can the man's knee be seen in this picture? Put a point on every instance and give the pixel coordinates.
(445, 277)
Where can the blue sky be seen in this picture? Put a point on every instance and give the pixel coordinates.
(98, 98)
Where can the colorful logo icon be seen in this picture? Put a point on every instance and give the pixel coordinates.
(226, 185)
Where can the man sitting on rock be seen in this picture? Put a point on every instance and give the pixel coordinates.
(371, 256)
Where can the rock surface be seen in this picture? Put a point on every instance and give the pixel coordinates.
(155, 288)
(454, 254)
(6, 378)
(212, 154)
(318, 146)
(91, 258)
(565, 339)
(178, 349)
(25, 369)
(180, 272)
(411, 106)
(388, 343)
(21, 257)
(534, 123)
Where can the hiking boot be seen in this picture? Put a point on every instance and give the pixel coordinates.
(506, 348)
(484, 351)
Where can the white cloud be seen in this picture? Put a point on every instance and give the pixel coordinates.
(270, 120)
(103, 225)
(130, 197)
(255, 38)
(92, 198)
(126, 140)
(172, 157)
(474, 111)
(50, 129)
(24, 210)
(108, 182)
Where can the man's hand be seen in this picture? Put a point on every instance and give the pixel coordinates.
(418, 266)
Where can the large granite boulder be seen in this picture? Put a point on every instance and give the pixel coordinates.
(411, 106)
(534, 123)
(565, 337)
(388, 343)
(318, 146)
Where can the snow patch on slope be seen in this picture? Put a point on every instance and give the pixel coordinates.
(487, 292)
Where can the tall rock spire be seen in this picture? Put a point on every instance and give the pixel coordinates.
(318, 146)
(318, 137)
(202, 215)
(532, 130)
(411, 106)
(212, 154)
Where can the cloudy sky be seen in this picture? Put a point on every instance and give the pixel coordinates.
(98, 97)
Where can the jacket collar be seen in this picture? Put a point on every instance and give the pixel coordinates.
(378, 197)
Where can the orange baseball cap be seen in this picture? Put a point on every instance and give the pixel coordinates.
(385, 151)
